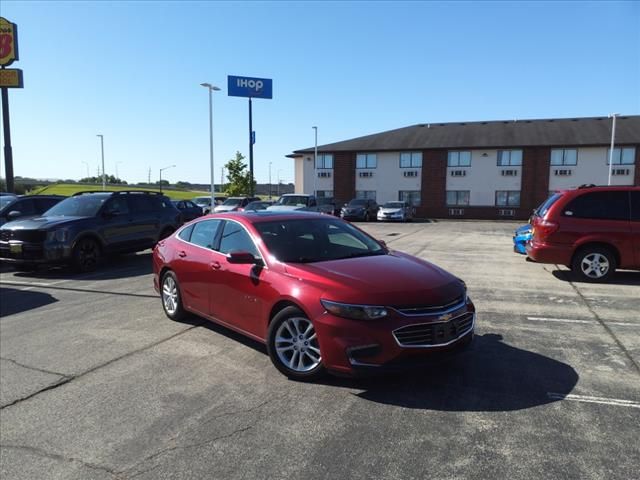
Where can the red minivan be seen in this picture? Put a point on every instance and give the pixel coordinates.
(593, 230)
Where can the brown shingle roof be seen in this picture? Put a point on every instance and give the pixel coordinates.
(513, 133)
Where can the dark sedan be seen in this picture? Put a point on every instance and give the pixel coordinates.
(188, 209)
(360, 209)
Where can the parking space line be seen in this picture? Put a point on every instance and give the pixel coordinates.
(589, 399)
(569, 320)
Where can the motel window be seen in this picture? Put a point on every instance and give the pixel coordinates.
(324, 161)
(459, 159)
(622, 156)
(366, 194)
(564, 156)
(508, 198)
(412, 197)
(411, 160)
(458, 197)
(366, 160)
(509, 158)
(324, 194)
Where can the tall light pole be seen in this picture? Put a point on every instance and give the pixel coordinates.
(104, 178)
(211, 88)
(117, 176)
(315, 161)
(613, 142)
(278, 174)
(87, 165)
(270, 180)
(161, 170)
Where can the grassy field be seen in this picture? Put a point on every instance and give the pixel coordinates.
(69, 189)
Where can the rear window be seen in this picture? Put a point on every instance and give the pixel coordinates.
(542, 210)
(635, 206)
(600, 205)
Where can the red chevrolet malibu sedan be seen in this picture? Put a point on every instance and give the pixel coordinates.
(322, 294)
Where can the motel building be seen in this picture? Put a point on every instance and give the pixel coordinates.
(482, 170)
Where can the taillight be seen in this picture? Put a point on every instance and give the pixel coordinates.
(544, 228)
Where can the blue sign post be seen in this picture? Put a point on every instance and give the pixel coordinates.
(252, 88)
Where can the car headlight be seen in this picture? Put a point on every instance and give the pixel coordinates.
(356, 312)
(59, 235)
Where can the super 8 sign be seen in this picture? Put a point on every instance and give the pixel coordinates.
(8, 42)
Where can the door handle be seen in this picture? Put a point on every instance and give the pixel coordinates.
(215, 265)
(182, 254)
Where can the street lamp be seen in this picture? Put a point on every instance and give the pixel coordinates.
(315, 162)
(161, 170)
(278, 175)
(104, 178)
(270, 180)
(613, 141)
(211, 88)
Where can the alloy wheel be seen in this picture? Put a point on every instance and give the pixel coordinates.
(297, 345)
(170, 295)
(594, 265)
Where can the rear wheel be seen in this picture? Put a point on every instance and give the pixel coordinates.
(86, 255)
(171, 298)
(366, 217)
(594, 264)
(293, 345)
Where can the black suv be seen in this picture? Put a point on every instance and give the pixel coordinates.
(83, 228)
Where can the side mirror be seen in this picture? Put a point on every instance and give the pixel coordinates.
(242, 257)
(14, 214)
(383, 243)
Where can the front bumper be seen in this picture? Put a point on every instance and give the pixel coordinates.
(352, 347)
(352, 216)
(19, 252)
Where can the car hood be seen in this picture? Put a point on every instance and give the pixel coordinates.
(390, 210)
(225, 208)
(40, 223)
(285, 208)
(395, 279)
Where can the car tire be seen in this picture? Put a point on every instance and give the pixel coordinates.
(293, 345)
(366, 217)
(171, 297)
(594, 264)
(87, 255)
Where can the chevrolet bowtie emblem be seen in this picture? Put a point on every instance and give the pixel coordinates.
(446, 317)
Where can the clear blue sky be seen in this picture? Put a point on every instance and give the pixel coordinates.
(131, 71)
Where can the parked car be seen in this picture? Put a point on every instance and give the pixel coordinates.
(14, 208)
(521, 236)
(328, 205)
(83, 228)
(360, 209)
(235, 204)
(396, 211)
(258, 205)
(320, 293)
(300, 202)
(592, 230)
(189, 209)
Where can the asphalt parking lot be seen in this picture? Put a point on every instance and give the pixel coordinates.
(96, 383)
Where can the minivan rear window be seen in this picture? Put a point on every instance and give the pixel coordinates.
(546, 205)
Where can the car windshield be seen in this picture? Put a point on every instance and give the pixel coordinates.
(393, 205)
(202, 201)
(292, 200)
(358, 202)
(6, 200)
(546, 205)
(316, 240)
(233, 201)
(80, 206)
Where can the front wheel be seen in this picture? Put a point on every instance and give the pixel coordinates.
(171, 298)
(86, 255)
(594, 264)
(293, 345)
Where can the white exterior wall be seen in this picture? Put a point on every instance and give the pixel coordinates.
(483, 178)
(307, 180)
(591, 168)
(388, 178)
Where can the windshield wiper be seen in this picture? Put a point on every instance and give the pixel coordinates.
(362, 254)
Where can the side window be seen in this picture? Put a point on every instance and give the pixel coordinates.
(204, 233)
(190, 204)
(635, 206)
(25, 207)
(180, 205)
(141, 203)
(235, 238)
(118, 204)
(185, 233)
(600, 205)
(44, 204)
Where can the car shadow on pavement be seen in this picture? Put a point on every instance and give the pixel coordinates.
(14, 301)
(113, 267)
(489, 376)
(618, 277)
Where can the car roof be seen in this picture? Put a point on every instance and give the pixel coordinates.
(268, 215)
(597, 188)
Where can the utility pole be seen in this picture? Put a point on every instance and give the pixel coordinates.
(221, 179)
(270, 180)
(104, 178)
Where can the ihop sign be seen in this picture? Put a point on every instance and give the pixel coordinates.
(249, 87)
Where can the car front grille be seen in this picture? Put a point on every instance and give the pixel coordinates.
(431, 309)
(30, 236)
(434, 334)
(5, 235)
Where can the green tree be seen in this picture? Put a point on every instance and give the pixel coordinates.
(239, 179)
